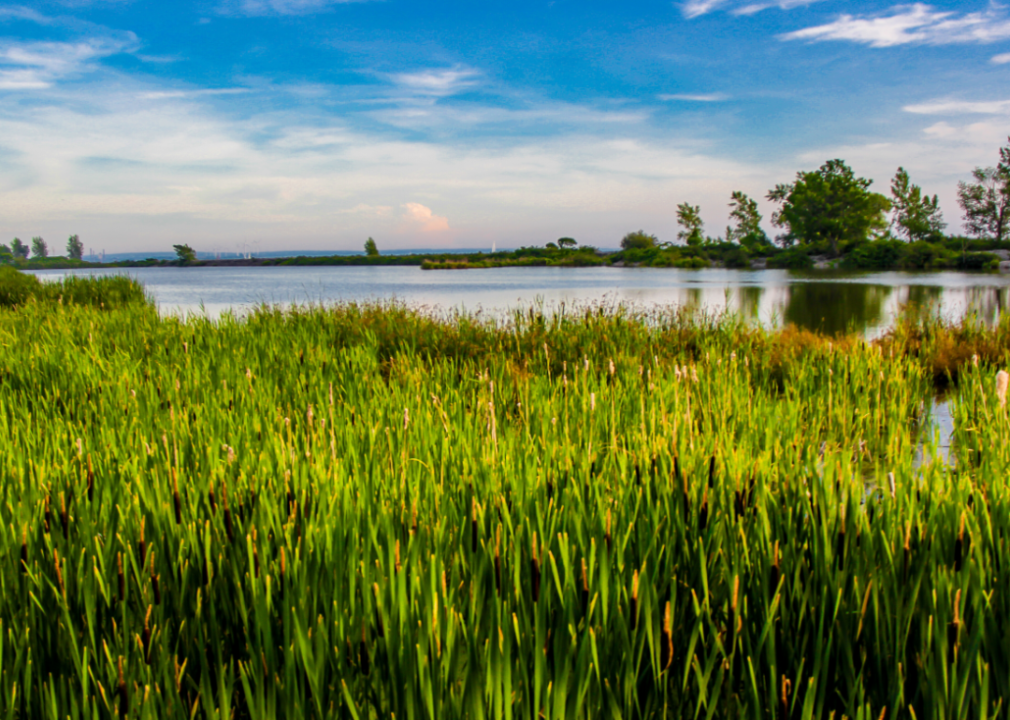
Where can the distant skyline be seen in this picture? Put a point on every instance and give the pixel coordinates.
(266, 125)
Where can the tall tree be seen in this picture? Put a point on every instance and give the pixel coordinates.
(638, 240)
(986, 201)
(747, 231)
(371, 249)
(19, 249)
(75, 248)
(689, 218)
(829, 205)
(916, 216)
(39, 248)
(566, 243)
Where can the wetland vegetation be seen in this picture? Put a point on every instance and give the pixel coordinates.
(367, 511)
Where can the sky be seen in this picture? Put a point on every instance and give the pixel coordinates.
(256, 125)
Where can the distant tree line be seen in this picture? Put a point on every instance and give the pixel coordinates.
(833, 212)
(39, 249)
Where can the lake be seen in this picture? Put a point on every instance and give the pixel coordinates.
(830, 302)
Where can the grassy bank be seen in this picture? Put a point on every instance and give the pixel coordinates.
(363, 511)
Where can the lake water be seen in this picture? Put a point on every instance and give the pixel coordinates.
(831, 302)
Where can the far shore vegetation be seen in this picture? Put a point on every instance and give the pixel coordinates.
(829, 219)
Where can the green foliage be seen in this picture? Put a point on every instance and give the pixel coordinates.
(884, 254)
(829, 207)
(17, 287)
(923, 255)
(689, 218)
(105, 292)
(567, 243)
(792, 258)
(737, 257)
(75, 248)
(18, 249)
(916, 216)
(40, 249)
(371, 249)
(185, 254)
(639, 240)
(986, 201)
(747, 230)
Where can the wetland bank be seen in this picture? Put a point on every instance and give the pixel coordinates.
(366, 510)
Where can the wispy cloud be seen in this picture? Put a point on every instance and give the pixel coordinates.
(697, 8)
(37, 65)
(436, 83)
(1001, 59)
(917, 24)
(203, 92)
(277, 7)
(960, 107)
(700, 97)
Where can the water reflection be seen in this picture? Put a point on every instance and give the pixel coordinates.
(836, 307)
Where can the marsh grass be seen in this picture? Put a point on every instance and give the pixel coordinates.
(367, 511)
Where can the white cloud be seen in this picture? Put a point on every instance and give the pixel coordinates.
(203, 92)
(960, 107)
(436, 83)
(277, 7)
(701, 97)
(421, 217)
(1001, 59)
(37, 65)
(697, 8)
(912, 24)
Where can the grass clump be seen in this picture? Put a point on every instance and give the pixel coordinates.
(17, 288)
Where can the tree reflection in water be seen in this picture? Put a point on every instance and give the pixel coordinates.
(835, 308)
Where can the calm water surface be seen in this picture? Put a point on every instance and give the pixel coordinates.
(831, 302)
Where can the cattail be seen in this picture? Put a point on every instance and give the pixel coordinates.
(633, 609)
(363, 651)
(47, 516)
(711, 472)
(24, 550)
(606, 535)
(256, 554)
(396, 557)
(155, 582)
(776, 573)
(954, 629)
(124, 696)
(840, 543)
(142, 545)
(1002, 380)
(592, 402)
(121, 577)
(212, 498)
(784, 699)
(175, 497)
(959, 547)
(91, 480)
(473, 525)
(64, 518)
(703, 512)
(667, 641)
(535, 571)
(890, 481)
(497, 561)
(284, 568)
(379, 628)
(59, 575)
(733, 616)
(147, 636)
(585, 587)
(227, 511)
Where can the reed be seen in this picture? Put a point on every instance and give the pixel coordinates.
(757, 524)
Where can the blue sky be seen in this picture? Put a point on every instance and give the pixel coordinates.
(311, 124)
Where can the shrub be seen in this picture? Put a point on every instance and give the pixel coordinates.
(876, 255)
(794, 258)
(16, 287)
(639, 240)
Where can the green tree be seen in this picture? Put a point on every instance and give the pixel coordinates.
(829, 205)
(6, 255)
(185, 254)
(986, 201)
(371, 249)
(39, 248)
(747, 231)
(19, 249)
(75, 248)
(689, 218)
(639, 240)
(566, 243)
(916, 216)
